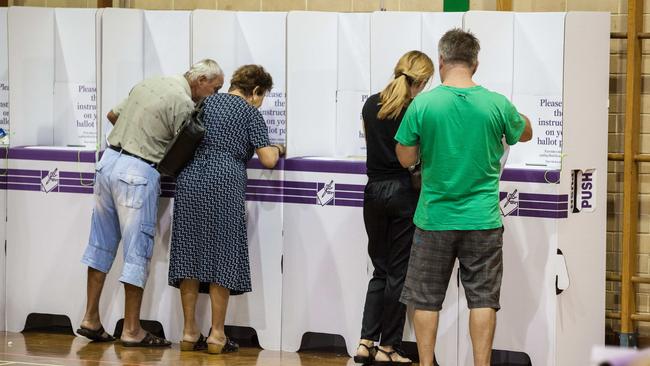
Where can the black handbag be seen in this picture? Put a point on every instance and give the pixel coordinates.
(181, 148)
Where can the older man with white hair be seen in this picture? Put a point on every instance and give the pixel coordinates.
(127, 186)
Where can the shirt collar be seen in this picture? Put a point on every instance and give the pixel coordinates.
(183, 81)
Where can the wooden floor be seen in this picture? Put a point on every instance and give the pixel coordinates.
(54, 349)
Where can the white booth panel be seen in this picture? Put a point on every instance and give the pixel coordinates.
(581, 308)
(261, 309)
(44, 263)
(392, 34)
(75, 114)
(326, 265)
(99, 15)
(434, 26)
(354, 51)
(247, 38)
(166, 42)
(494, 31)
(122, 59)
(537, 88)
(31, 72)
(213, 36)
(311, 83)
(353, 83)
(538, 53)
(4, 72)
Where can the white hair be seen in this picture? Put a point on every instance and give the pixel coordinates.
(208, 68)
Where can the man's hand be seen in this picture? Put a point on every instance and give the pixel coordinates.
(112, 117)
(407, 155)
(528, 130)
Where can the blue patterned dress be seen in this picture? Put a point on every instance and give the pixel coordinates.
(209, 240)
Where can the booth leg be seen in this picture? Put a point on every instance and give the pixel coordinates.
(628, 340)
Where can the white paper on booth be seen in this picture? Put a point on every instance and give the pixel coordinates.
(4, 105)
(350, 135)
(75, 106)
(544, 151)
(274, 112)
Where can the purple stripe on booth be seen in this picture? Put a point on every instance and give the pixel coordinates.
(23, 187)
(263, 198)
(303, 200)
(349, 203)
(297, 184)
(86, 182)
(23, 172)
(350, 187)
(352, 195)
(69, 189)
(543, 197)
(166, 179)
(543, 214)
(76, 175)
(22, 153)
(543, 205)
(32, 180)
(167, 194)
(531, 176)
(264, 190)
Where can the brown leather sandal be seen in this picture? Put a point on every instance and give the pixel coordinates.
(201, 344)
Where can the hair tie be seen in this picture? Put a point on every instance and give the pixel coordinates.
(409, 80)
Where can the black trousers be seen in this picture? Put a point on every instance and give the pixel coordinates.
(388, 210)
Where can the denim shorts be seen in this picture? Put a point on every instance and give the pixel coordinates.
(126, 205)
(433, 255)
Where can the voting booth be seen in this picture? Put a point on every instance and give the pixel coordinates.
(551, 188)
(307, 241)
(51, 55)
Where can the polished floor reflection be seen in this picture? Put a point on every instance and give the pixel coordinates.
(35, 349)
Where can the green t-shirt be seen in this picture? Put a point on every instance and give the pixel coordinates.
(460, 132)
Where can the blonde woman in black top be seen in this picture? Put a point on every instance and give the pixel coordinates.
(389, 205)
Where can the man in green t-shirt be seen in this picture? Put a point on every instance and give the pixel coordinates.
(457, 130)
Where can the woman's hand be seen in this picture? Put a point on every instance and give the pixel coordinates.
(270, 154)
(282, 150)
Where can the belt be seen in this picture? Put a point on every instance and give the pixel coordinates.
(124, 152)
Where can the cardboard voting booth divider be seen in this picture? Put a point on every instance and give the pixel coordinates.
(541, 186)
(51, 159)
(308, 246)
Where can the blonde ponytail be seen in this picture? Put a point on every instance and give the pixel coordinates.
(413, 68)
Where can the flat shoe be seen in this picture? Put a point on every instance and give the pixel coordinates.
(227, 347)
(366, 360)
(199, 345)
(99, 335)
(390, 361)
(149, 340)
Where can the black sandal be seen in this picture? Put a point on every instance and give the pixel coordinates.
(149, 340)
(366, 360)
(390, 361)
(226, 347)
(201, 344)
(99, 335)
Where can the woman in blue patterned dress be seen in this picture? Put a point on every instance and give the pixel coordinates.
(209, 247)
